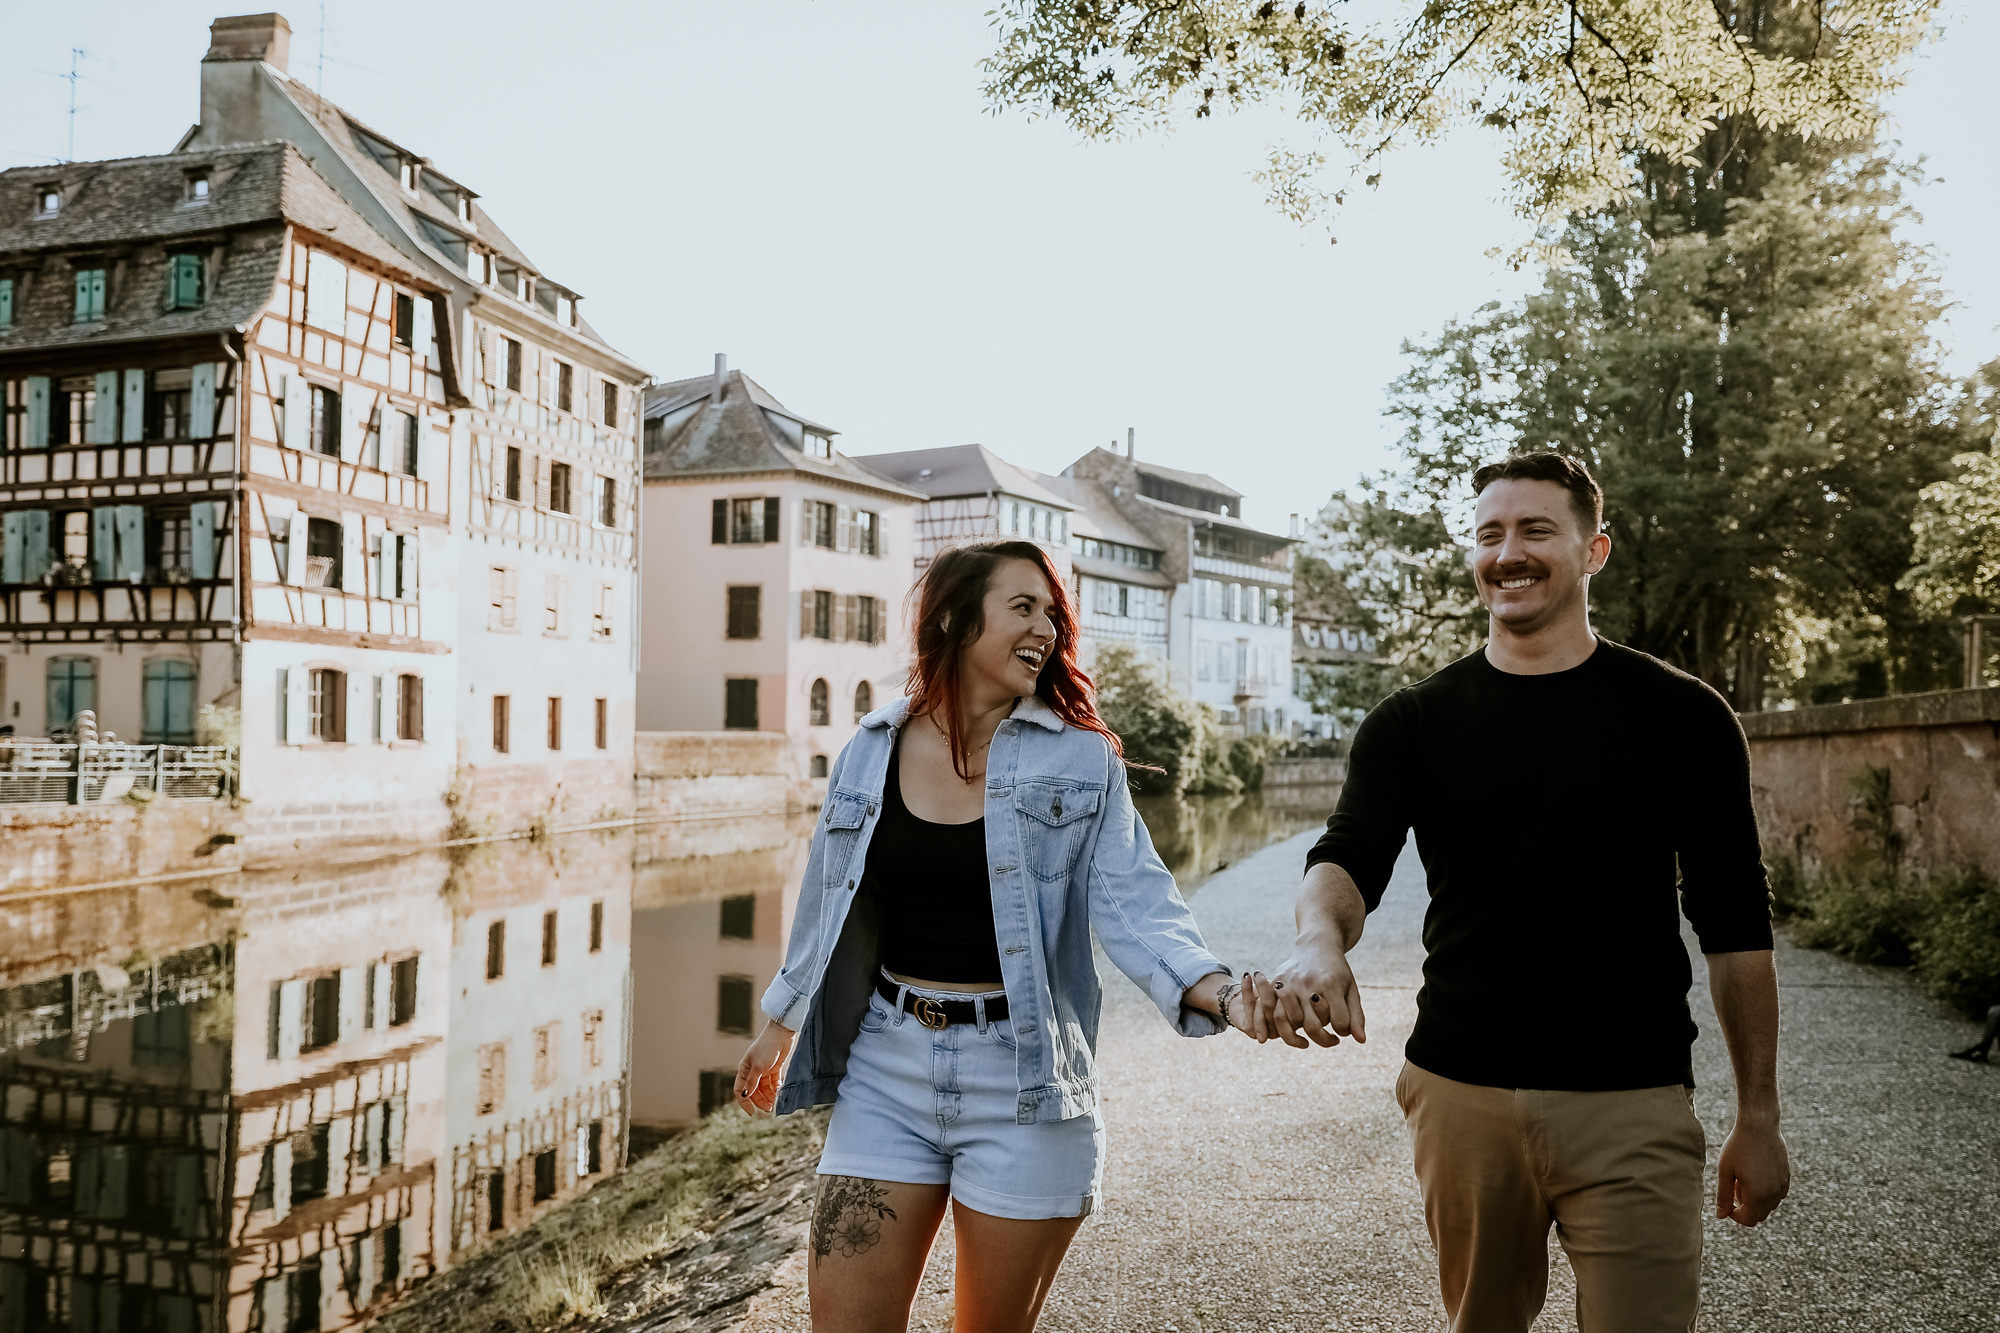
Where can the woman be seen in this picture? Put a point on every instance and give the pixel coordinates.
(939, 983)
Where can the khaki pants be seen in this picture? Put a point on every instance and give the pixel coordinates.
(1619, 1174)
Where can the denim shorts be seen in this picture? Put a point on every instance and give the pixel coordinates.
(938, 1107)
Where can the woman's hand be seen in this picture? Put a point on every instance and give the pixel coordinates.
(1209, 993)
(758, 1072)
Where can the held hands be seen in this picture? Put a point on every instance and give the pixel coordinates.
(758, 1072)
(1313, 990)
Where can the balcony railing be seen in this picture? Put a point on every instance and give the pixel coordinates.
(37, 772)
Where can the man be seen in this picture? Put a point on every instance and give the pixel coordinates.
(1561, 788)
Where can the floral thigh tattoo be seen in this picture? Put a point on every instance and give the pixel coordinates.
(847, 1219)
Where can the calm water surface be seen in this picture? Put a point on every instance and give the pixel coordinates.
(265, 1101)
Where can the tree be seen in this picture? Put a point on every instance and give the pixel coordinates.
(1161, 729)
(1956, 554)
(1583, 93)
(1762, 407)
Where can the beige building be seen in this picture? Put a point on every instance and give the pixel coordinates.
(776, 571)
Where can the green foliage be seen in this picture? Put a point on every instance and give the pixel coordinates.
(1580, 94)
(1761, 405)
(1165, 730)
(1946, 926)
(1957, 523)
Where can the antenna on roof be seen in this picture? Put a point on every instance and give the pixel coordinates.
(1131, 435)
(76, 53)
(319, 78)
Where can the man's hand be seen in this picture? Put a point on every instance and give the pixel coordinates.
(1754, 1175)
(758, 1072)
(1315, 989)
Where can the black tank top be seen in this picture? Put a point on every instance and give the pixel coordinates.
(930, 882)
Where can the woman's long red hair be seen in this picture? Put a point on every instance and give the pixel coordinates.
(951, 614)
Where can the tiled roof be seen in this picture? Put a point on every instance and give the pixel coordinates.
(738, 436)
(129, 206)
(1199, 480)
(1095, 515)
(963, 469)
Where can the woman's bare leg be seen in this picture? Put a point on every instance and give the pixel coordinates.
(869, 1243)
(1005, 1268)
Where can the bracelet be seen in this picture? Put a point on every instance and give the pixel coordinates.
(1223, 995)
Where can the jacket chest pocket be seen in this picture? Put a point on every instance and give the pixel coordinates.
(841, 820)
(1053, 819)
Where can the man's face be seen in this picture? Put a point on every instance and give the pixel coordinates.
(1531, 557)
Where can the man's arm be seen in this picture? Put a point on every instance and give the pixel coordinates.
(1315, 987)
(1755, 1172)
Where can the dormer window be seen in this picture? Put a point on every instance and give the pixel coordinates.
(198, 188)
(48, 200)
(465, 208)
(475, 265)
(818, 446)
(411, 171)
(565, 311)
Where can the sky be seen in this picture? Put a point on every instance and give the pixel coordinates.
(817, 190)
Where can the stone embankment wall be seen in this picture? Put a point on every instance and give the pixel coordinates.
(1304, 772)
(1942, 752)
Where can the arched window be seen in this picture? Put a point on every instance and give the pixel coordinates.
(864, 700)
(168, 692)
(72, 690)
(817, 768)
(821, 713)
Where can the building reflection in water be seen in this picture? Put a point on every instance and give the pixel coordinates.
(266, 1101)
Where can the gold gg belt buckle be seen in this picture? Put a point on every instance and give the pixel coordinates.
(928, 1011)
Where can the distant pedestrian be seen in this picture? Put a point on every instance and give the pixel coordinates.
(1979, 1050)
(939, 982)
(1570, 798)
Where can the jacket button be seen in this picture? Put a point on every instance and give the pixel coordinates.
(871, 809)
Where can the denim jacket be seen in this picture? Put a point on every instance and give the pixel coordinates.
(1065, 851)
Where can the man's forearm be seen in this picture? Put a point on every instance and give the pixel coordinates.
(1330, 905)
(1745, 989)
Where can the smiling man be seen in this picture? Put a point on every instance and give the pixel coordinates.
(1570, 798)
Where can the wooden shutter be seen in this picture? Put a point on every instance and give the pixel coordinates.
(423, 330)
(718, 523)
(131, 542)
(806, 614)
(38, 413)
(132, 415)
(542, 465)
(806, 511)
(353, 575)
(406, 560)
(292, 694)
(843, 532)
(295, 550)
(104, 542)
(202, 523)
(771, 507)
(201, 401)
(298, 412)
(104, 420)
(356, 407)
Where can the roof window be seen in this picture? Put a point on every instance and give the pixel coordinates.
(464, 207)
(198, 187)
(48, 200)
(411, 173)
(818, 446)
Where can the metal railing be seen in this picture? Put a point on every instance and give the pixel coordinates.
(38, 772)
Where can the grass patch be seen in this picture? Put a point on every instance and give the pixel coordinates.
(557, 1270)
(1945, 926)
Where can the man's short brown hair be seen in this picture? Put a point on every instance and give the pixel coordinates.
(1585, 496)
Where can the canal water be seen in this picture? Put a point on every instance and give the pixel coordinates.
(265, 1101)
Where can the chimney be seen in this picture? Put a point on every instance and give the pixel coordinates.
(1295, 525)
(721, 374)
(265, 37)
(1130, 435)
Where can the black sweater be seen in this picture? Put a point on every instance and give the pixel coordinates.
(1554, 815)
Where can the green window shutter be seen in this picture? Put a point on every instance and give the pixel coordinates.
(38, 413)
(6, 303)
(13, 556)
(202, 517)
(104, 543)
(89, 295)
(184, 282)
(131, 542)
(34, 544)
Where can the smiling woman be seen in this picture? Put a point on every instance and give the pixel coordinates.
(973, 834)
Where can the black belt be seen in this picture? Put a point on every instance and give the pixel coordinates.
(935, 1013)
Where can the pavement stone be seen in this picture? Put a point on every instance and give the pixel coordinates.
(1266, 1188)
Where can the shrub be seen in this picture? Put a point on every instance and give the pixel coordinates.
(1958, 956)
(1945, 925)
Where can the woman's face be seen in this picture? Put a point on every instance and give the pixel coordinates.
(1008, 656)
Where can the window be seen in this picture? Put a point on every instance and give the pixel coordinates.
(48, 200)
(555, 606)
(400, 437)
(496, 949)
(167, 411)
(864, 700)
(739, 917)
(74, 412)
(326, 705)
(545, 1175)
(503, 600)
(323, 548)
(600, 613)
(502, 724)
(866, 525)
(864, 619)
(402, 991)
(72, 689)
(310, 1159)
(593, 1038)
(565, 386)
(603, 724)
(746, 612)
(184, 287)
(820, 713)
(171, 539)
(718, 1089)
(409, 175)
(817, 446)
(825, 525)
(406, 319)
(409, 708)
(323, 435)
(510, 362)
(492, 1078)
(816, 766)
(732, 1005)
(822, 615)
(513, 482)
(198, 187)
(746, 521)
(597, 927)
(739, 704)
(559, 487)
(611, 405)
(168, 689)
(590, 1145)
(607, 502)
(160, 1038)
(319, 1025)
(555, 724)
(545, 1039)
(89, 295)
(496, 1200)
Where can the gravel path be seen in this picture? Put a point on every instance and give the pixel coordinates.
(1270, 1189)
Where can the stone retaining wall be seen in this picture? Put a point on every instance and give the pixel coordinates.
(1942, 752)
